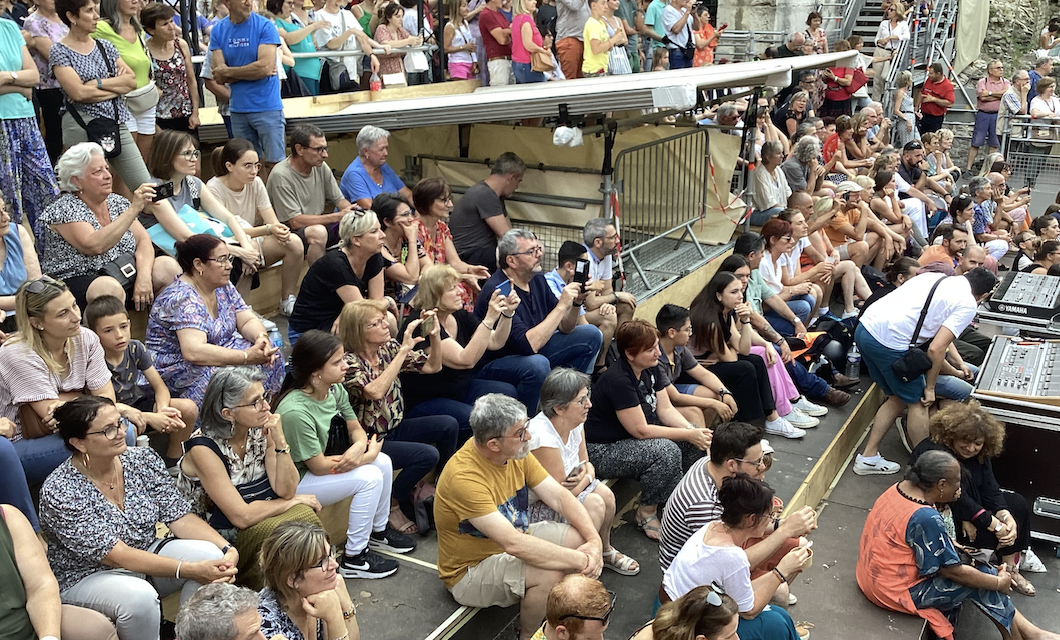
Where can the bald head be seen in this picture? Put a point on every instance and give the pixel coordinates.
(995, 178)
(801, 201)
(974, 256)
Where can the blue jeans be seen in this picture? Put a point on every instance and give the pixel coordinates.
(576, 350)
(759, 218)
(524, 73)
(810, 384)
(953, 388)
(265, 130)
(410, 450)
(678, 59)
(461, 409)
(13, 487)
(801, 306)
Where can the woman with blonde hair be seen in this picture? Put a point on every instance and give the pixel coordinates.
(415, 445)
(527, 40)
(905, 129)
(892, 32)
(459, 43)
(463, 339)
(304, 598)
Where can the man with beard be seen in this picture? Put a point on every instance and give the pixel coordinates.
(488, 553)
(545, 333)
(601, 241)
(954, 242)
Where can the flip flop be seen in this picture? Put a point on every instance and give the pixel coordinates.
(644, 526)
(1022, 586)
(620, 563)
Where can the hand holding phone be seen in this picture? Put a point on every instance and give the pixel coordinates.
(163, 191)
(576, 470)
(581, 273)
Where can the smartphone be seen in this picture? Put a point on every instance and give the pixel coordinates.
(505, 288)
(581, 273)
(163, 191)
(577, 469)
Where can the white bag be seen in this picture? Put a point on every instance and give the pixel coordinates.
(391, 80)
(416, 62)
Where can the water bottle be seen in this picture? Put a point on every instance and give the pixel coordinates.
(143, 441)
(375, 83)
(275, 337)
(853, 362)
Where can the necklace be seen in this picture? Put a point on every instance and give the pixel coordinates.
(113, 478)
(909, 497)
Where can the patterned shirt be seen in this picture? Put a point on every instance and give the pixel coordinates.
(171, 76)
(90, 67)
(274, 620)
(82, 526)
(434, 245)
(379, 416)
(983, 217)
(60, 259)
(39, 26)
(692, 505)
(249, 468)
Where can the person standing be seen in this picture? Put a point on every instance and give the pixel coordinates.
(1014, 102)
(45, 29)
(571, 19)
(1043, 68)
(599, 44)
(936, 97)
(526, 40)
(893, 31)
(988, 91)
(243, 56)
(496, 32)
(677, 25)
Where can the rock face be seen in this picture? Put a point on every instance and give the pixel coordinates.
(766, 15)
(1012, 35)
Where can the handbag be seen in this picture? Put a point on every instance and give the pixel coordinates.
(416, 62)
(122, 269)
(915, 362)
(338, 436)
(542, 61)
(146, 97)
(103, 131)
(859, 81)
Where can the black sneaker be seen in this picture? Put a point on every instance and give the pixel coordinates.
(392, 540)
(367, 565)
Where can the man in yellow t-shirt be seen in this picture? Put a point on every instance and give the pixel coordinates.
(488, 552)
(598, 44)
(578, 608)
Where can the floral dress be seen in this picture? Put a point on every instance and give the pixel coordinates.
(179, 306)
(379, 416)
(171, 76)
(394, 62)
(434, 245)
(274, 620)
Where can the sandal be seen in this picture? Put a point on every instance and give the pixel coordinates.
(620, 563)
(803, 629)
(645, 526)
(407, 528)
(1021, 585)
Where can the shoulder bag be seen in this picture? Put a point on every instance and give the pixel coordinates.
(103, 131)
(915, 362)
(146, 97)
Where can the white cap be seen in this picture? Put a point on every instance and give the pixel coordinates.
(766, 447)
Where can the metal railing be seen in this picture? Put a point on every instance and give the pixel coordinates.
(1032, 149)
(927, 37)
(838, 18)
(740, 46)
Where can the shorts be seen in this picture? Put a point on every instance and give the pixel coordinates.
(500, 580)
(687, 389)
(985, 129)
(265, 130)
(460, 70)
(878, 359)
(844, 253)
(143, 122)
(501, 73)
(333, 236)
(146, 401)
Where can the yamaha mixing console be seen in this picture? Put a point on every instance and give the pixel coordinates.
(1022, 369)
(1027, 295)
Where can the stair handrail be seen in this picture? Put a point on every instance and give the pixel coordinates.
(838, 18)
(919, 49)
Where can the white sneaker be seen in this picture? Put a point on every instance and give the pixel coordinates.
(878, 466)
(1031, 562)
(800, 419)
(809, 408)
(287, 306)
(783, 428)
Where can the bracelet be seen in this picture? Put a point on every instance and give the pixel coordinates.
(978, 513)
(286, 449)
(343, 636)
(268, 228)
(780, 575)
(998, 582)
(244, 357)
(588, 561)
(346, 615)
(508, 316)
(495, 323)
(178, 569)
(225, 549)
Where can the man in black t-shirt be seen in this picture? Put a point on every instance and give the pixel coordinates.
(480, 217)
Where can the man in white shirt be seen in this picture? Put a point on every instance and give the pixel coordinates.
(601, 243)
(344, 32)
(884, 336)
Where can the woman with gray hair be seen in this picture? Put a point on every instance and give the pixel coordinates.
(771, 190)
(95, 243)
(237, 470)
(219, 611)
(557, 440)
(369, 175)
(803, 170)
(353, 272)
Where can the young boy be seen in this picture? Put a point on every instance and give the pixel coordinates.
(709, 396)
(126, 358)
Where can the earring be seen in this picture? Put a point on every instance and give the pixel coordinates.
(200, 273)
(85, 459)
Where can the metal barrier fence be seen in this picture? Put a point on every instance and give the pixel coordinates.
(1033, 153)
(741, 46)
(662, 191)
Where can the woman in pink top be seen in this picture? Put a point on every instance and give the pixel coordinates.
(526, 39)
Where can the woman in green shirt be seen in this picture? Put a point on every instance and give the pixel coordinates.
(299, 37)
(120, 26)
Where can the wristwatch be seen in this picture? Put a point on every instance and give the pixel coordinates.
(14, 77)
(724, 392)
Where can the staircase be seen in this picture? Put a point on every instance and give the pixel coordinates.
(865, 23)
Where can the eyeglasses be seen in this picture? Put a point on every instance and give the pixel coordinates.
(37, 286)
(912, 146)
(323, 564)
(191, 154)
(259, 405)
(603, 619)
(536, 251)
(111, 432)
(757, 464)
(612, 236)
(247, 166)
(520, 432)
(321, 149)
(448, 198)
(715, 594)
(225, 259)
(407, 213)
(584, 399)
(378, 323)
(787, 238)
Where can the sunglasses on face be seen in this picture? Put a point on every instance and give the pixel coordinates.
(607, 615)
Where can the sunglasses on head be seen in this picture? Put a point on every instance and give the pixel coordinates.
(37, 286)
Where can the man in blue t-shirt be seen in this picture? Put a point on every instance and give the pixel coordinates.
(369, 175)
(545, 333)
(243, 50)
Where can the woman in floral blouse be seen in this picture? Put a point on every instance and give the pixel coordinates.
(98, 511)
(375, 360)
(178, 104)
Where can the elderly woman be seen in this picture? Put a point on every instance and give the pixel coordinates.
(908, 562)
(352, 272)
(94, 78)
(30, 185)
(51, 360)
(335, 457)
(633, 431)
(557, 440)
(464, 339)
(704, 612)
(32, 588)
(803, 170)
(789, 116)
(93, 238)
(770, 183)
(715, 554)
(237, 471)
(239, 189)
(200, 322)
(433, 201)
(304, 598)
(415, 445)
(369, 175)
(45, 29)
(18, 263)
(988, 518)
(120, 25)
(99, 511)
